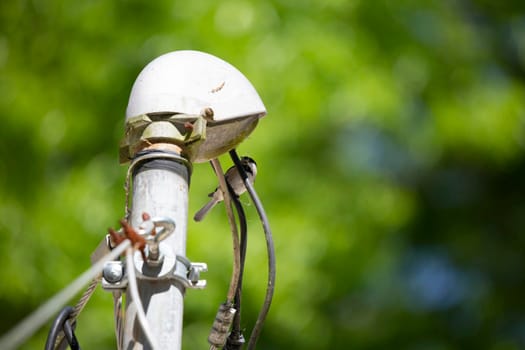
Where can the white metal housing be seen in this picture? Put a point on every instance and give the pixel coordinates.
(187, 82)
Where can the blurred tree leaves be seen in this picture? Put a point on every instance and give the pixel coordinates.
(391, 163)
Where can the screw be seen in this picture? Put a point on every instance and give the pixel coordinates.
(207, 113)
(113, 271)
(194, 274)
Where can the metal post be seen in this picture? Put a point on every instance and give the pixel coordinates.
(203, 106)
(159, 189)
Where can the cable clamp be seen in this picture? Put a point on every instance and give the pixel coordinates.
(153, 258)
(179, 268)
(183, 130)
(146, 238)
(188, 273)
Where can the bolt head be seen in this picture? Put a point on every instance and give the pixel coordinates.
(194, 275)
(113, 271)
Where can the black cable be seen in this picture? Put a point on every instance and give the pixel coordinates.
(70, 336)
(270, 248)
(61, 324)
(236, 339)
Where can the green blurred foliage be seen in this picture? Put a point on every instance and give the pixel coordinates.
(391, 163)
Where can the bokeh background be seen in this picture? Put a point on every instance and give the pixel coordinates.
(391, 163)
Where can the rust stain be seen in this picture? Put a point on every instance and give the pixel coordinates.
(218, 88)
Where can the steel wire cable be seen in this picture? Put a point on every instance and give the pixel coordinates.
(134, 292)
(119, 318)
(79, 307)
(28, 326)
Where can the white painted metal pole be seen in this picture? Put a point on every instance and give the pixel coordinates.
(159, 191)
(206, 106)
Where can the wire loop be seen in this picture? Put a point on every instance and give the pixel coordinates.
(270, 286)
(63, 325)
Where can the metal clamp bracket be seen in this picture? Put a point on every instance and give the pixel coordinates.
(179, 268)
(185, 131)
(188, 273)
(157, 261)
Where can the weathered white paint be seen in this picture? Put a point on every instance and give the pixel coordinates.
(160, 192)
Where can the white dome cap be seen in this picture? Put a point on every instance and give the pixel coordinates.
(193, 83)
(187, 82)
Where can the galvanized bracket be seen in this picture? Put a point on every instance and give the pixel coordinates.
(179, 268)
(188, 273)
(185, 131)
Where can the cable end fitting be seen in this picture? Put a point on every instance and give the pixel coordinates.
(221, 325)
